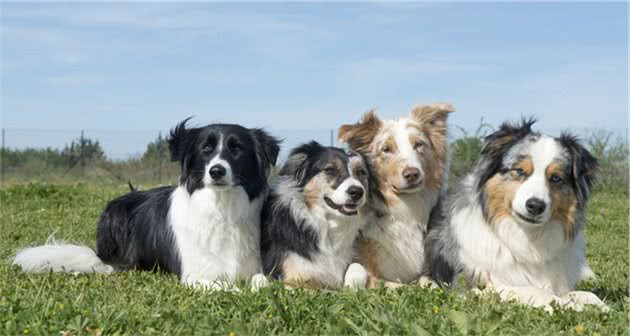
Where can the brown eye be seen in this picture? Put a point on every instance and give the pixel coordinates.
(387, 149)
(555, 179)
(330, 171)
(362, 173)
(418, 145)
(235, 146)
(207, 149)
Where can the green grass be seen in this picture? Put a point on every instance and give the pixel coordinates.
(150, 303)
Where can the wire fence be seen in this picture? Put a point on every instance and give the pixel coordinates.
(141, 156)
(106, 156)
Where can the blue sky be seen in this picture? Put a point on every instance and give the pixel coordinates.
(129, 69)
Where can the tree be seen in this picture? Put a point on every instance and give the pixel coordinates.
(83, 151)
(157, 150)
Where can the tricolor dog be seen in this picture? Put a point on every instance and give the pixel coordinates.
(310, 222)
(515, 224)
(206, 229)
(410, 157)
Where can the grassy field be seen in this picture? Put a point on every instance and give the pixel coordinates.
(149, 303)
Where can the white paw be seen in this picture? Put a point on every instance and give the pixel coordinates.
(426, 282)
(577, 299)
(532, 296)
(356, 277)
(259, 281)
(478, 292)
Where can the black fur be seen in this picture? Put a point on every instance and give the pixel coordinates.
(440, 263)
(250, 153)
(281, 232)
(134, 232)
(441, 249)
(497, 144)
(438, 243)
(584, 167)
(131, 187)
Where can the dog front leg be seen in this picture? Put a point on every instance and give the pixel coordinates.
(577, 299)
(531, 296)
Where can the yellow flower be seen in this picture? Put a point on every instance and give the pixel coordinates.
(232, 333)
(436, 310)
(579, 329)
(26, 331)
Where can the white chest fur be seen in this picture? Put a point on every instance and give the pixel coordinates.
(399, 237)
(335, 249)
(510, 255)
(216, 233)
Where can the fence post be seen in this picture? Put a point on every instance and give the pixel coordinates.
(81, 158)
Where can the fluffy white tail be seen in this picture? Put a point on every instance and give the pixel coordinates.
(60, 257)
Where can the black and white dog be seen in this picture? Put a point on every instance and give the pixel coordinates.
(313, 216)
(206, 229)
(515, 224)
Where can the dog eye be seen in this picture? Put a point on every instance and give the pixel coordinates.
(555, 178)
(235, 146)
(519, 172)
(206, 149)
(362, 173)
(330, 171)
(387, 149)
(418, 145)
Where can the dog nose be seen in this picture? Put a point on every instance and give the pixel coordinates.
(535, 206)
(217, 172)
(355, 193)
(411, 174)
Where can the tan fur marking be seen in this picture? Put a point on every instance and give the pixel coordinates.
(432, 119)
(429, 120)
(526, 164)
(563, 201)
(367, 256)
(388, 170)
(360, 135)
(294, 278)
(391, 144)
(499, 195)
(432, 113)
(554, 169)
(313, 190)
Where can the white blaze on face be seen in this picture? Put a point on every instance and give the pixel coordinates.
(543, 152)
(340, 196)
(402, 134)
(217, 161)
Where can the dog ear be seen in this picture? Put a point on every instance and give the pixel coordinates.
(178, 140)
(298, 163)
(432, 119)
(507, 135)
(359, 136)
(432, 114)
(584, 166)
(376, 199)
(267, 148)
(497, 144)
